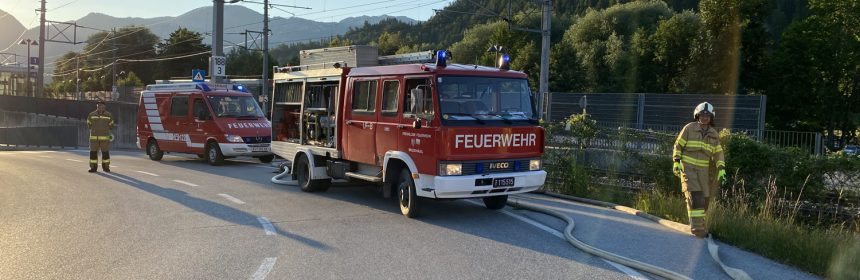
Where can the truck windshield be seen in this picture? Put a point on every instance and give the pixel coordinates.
(235, 107)
(484, 98)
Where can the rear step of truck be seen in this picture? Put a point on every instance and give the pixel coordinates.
(368, 178)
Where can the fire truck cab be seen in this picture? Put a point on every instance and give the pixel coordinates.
(213, 121)
(428, 130)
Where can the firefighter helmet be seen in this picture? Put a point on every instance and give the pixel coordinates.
(704, 107)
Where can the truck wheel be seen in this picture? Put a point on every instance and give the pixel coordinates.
(303, 174)
(267, 159)
(155, 153)
(406, 197)
(214, 155)
(496, 202)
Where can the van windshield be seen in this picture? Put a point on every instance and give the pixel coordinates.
(484, 98)
(235, 107)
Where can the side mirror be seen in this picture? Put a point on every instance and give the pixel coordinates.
(416, 124)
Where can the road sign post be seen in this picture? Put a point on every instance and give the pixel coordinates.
(219, 67)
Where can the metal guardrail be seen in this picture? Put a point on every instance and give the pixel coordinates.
(46, 136)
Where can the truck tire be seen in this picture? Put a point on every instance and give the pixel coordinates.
(406, 196)
(213, 154)
(496, 202)
(155, 153)
(266, 159)
(303, 174)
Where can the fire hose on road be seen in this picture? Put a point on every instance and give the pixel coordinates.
(736, 274)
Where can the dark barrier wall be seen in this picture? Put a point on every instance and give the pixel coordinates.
(662, 112)
(45, 136)
(124, 113)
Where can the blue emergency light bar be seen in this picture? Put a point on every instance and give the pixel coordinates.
(240, 87)
(505, 62)
(442, 58)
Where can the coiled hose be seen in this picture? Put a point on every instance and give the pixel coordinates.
(734, 273)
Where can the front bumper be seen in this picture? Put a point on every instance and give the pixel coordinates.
(242, 149)
(465, 186)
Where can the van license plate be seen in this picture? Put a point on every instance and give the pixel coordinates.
(503, 182)
(259, 149)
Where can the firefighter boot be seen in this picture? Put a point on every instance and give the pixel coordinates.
(697, 223)
(106, 161)
(94, 161)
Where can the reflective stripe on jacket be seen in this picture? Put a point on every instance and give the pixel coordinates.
(699, 148)
(100, 124)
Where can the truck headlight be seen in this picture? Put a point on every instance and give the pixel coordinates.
(235, 138)
(534, 164)
(451, 169)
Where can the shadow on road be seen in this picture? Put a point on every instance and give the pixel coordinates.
(213, 209)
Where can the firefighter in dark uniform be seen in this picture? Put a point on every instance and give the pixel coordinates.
(700, 163)
(100, 122)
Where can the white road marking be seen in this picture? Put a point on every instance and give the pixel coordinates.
(147, 173)
(185, 183)
(629, 271)
(267, 226)
(232, 199)
(264, 269)
(75, 160)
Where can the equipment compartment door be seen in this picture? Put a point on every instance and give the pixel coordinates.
(360, 121)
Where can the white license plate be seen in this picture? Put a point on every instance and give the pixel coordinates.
(259, 149)
(503, 182)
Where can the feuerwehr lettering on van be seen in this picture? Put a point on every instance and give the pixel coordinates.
(476, 141)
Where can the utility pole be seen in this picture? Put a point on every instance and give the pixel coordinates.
(40, 79)
(217, 37)
(265, 88)
(544, 57)
(114, 89)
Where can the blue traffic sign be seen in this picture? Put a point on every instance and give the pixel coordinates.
(198, 75)
(34, 60)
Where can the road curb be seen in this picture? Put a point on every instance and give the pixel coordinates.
(667, 223)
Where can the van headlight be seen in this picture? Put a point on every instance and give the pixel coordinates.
(534, 164)
(235, 138)
(451, 169)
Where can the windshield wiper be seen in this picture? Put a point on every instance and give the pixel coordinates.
(248, 117)
(507, 121)
(480, 121)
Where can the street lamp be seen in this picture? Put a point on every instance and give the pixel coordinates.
(29, 44)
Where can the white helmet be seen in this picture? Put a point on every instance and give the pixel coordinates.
(704, 107)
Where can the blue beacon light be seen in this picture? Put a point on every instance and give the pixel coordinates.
(441, 58)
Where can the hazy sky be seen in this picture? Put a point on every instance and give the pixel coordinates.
(322, 10)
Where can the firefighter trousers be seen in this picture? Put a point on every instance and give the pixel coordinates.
(95, 147)
(698, 192)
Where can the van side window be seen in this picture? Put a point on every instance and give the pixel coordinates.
(179, 106)
(364, 97)
(390, 92)
(427, 100)
(200, 110)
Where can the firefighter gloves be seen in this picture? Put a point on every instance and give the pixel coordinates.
(677, 169)
(722, 176)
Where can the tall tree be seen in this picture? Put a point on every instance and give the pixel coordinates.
(181, 42)
(816, 74)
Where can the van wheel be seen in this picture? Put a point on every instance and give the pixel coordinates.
(406, 195)
(214, 155)
(303, 174)
(154, 152)
(267, 159)
(496, 202)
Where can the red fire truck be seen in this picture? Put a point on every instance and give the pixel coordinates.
(430, 130)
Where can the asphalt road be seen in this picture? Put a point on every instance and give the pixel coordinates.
(183, 219)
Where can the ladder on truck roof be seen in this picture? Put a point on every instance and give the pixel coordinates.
(406, 58)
